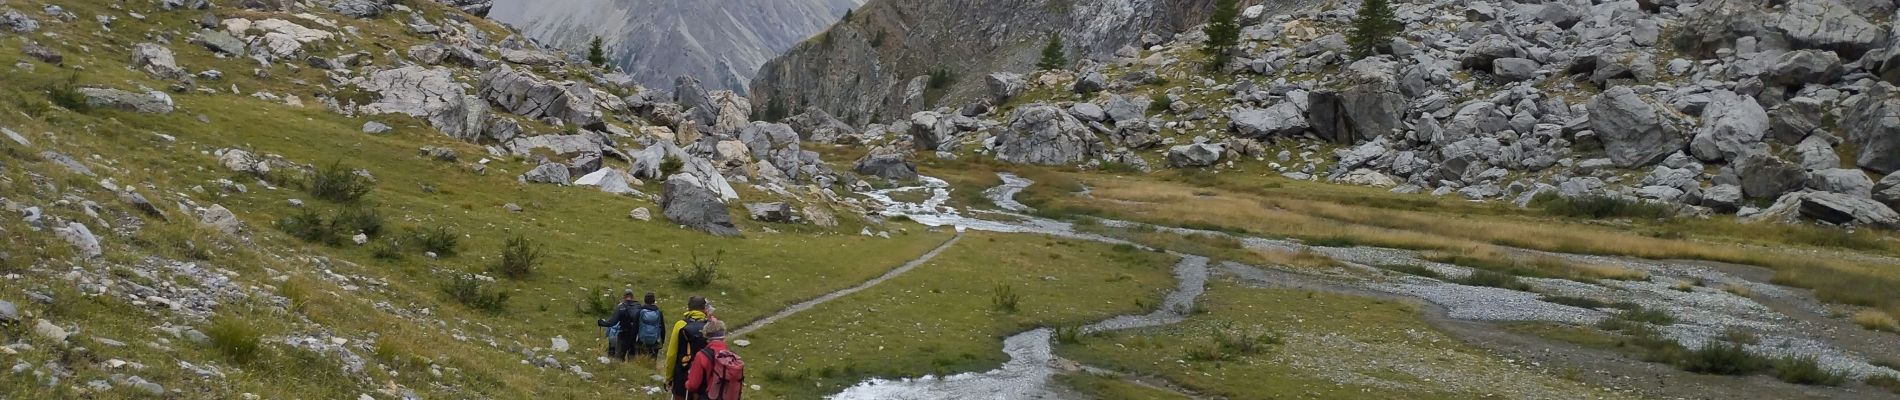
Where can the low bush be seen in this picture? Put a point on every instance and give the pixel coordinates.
(595, 302)
(518, 258)
(1806, 371)
(699, 273)
(1876, 320)
(387, 249)
(1413, 270)
(1493, 279)
(1722, 358)
(476, 293)
(234, 337)
(354, 220)
(66, 95)
(337, 183)
(1889, 382)
(310, 226)
(1160, 103)
(438, 240)
(1068, 334)
(1004, 299)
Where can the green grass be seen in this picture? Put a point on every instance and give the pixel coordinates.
(1599, 207)
(1102, 387)
(1364, 337)
(937, 319)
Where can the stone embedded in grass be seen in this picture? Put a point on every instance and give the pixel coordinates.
(81, 238)
(49, 331)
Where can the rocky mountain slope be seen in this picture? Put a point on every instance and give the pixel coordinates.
(1775, 112)
(722, 43)
(875, 66)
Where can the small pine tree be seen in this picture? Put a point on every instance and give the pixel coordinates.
(596, 54)
(847, 15)
(1223, 33)
(1052, 54)
(1373, 28)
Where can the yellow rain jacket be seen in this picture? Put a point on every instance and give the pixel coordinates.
(673, 357)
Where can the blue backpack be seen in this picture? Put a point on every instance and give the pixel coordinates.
(650, 328)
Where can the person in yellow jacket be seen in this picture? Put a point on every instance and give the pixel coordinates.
(684, 341)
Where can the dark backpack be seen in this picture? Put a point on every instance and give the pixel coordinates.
(692, 339)
(649, 333)
(626, 313)
(727, 378)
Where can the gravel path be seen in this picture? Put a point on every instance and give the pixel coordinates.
(808, 304)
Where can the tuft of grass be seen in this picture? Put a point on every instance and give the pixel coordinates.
(1333, 241)
(1160, 103)
(1805, 370)
(1876, 320)
(1722, 358)
(438, 240)
(1005, 299)
(337, 183)
(476, 293)
(698, 273)
(66, 95)
(1647, 315)
(1889, 382)
(387, 249)
(518, 258)
(1493, 279)
(1599, 207)
(234, 337)
(1068, 334)
(1413, 270)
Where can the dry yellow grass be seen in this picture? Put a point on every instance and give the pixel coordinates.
(1876, 320)
(1307, 259)
(1497, 259)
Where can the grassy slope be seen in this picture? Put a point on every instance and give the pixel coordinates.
(1326, 336)
(938, 319)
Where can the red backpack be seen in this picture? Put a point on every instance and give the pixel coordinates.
(727, 377)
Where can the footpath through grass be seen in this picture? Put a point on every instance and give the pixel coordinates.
(951, 314)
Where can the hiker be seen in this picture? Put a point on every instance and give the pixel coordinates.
(652, 330)
(717, 373)
(683, 341)
(623, 327)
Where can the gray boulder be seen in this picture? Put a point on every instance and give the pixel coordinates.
(932, 131)
(1817, 154)
(14, 21)
(1088, 112)
(220, 41)
(1513, 69)
(527, 95)
(1633, 130)
(1127, 108)
(1887, 191)
(1195, 155)
(42, 53)
(1723, 198)
(357, 8)
(772, 212)
(148, 103)
(1371, 105)
(886, 162)
(1833, 208)
(220, 219)
(687, 201)
(1134, 134)
(1800, 24)
(1488, 49)
(1282, 119)
(1045, 135)
(1732, 124)
(551, 173)
(1840, 180)
(9, 313)
(1004, 86)
(1873, 125)
(157, 60)
(431, 94)
(85, 245)
(1802, 67)
(1790, 122)
(478, 8)
(1765, 176)
(1090, 82)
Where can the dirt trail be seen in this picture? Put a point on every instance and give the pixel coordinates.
(808, 304)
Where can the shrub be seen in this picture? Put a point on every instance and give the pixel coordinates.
(1722, 358)
(1493, 279)
(1806, 371)
(1599, 207)
(337, 183)
(476, 293)
(1647, 315)
(438, 240)
(308, 225)
(234, 337)
(941, 78)
(518, 258)
(66, 95)
(1069, 334)
(1889, 382)
(595, 301)
(387, 249)
(670, 166)
(1876, 320)
(1005, 299)
(364, 220)
(1246, 344)
(1160, 103)
(700, 273)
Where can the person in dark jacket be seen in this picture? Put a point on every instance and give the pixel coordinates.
(640, 347)
(627, 318)
(682, 342)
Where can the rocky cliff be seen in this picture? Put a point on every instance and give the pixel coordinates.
(720, 42)
(874, 66)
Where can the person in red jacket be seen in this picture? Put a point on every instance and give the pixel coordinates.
(699, 376)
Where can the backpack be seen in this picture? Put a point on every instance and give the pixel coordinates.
(692, 340)
(649, 333)
(727, 377)
(626, 310)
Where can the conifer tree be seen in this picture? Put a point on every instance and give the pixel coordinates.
(1223, 33)
(1052, 55)
(596, 54)
(1373, 28)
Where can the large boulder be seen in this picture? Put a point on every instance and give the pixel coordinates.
(1635, 131)
(779, 212)
(1514, 69)
(932, 131)
(1873, 125)
(1043, 134)
(1799, 24)
(1134, 134)
(1126, 108)
(1732, 125)
(1887, 191)
(1004, 86)
(431, 94)
(1833, 208)
(1802, 67)
(527, 95)
(1488, 49)
(1282, 119)
(687, 201)
(478, 8)
(1195, 155)
(153, 102)
(157, 60)
(1371, 106)
(1765, 176)
(85, 245)
(550, 173)
(818, 126)
(1843, 181)
(886, 162)
(357, 8)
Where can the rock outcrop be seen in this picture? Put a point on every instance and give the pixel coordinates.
(1046, 135)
